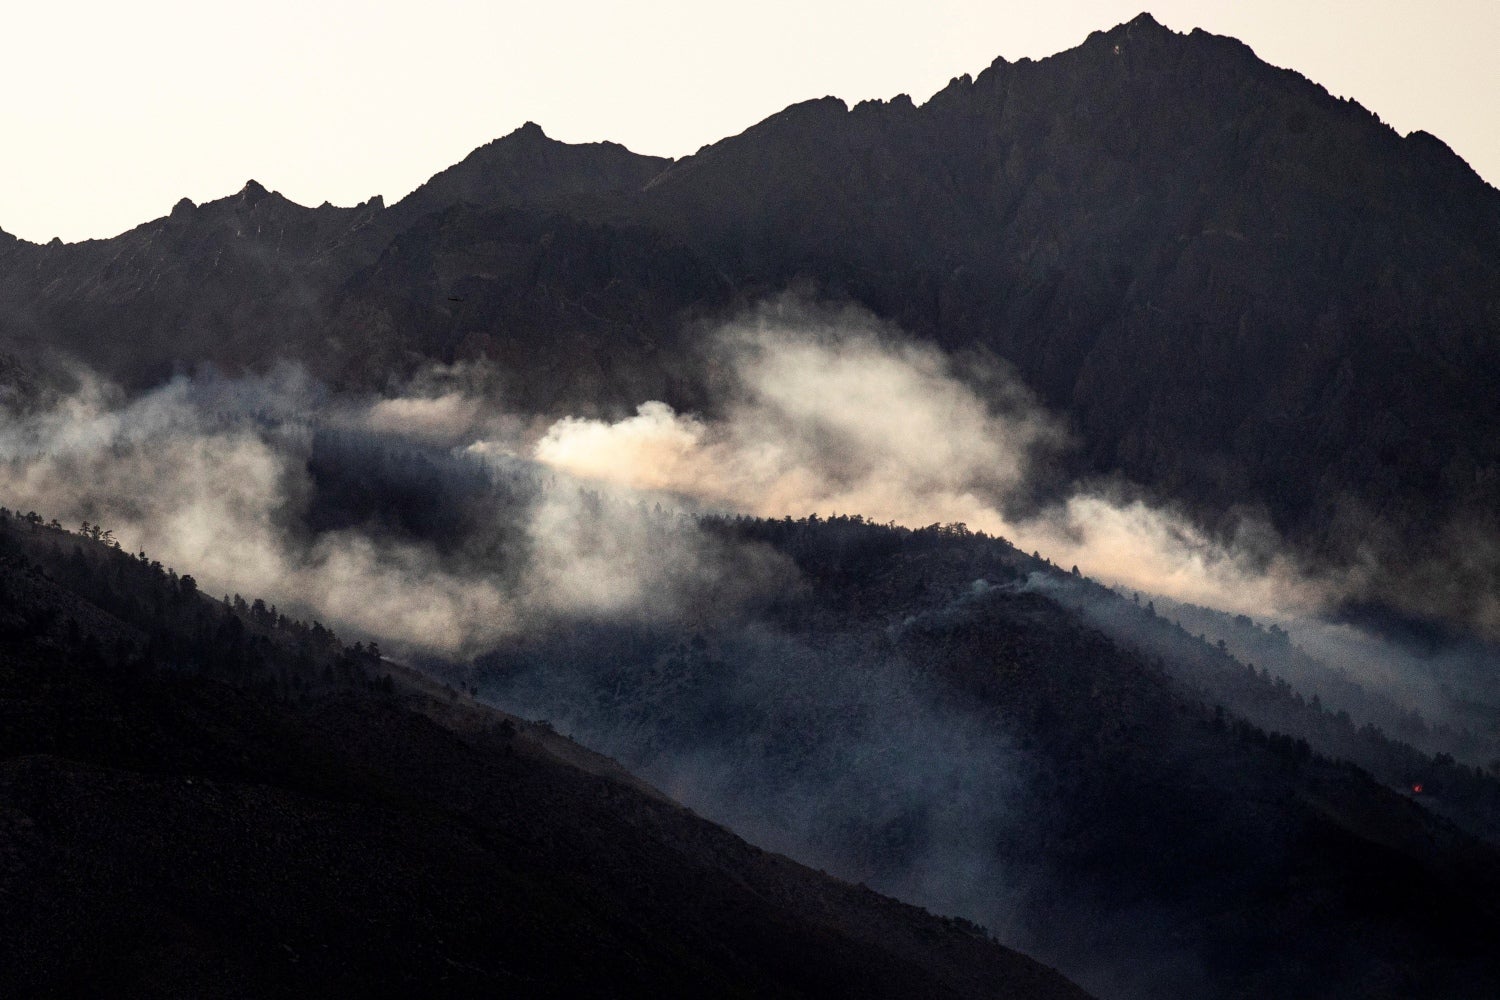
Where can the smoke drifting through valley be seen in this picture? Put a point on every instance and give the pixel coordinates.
(213, 477)
(830, 412)
(560, 563)
(826, 749)
(824, 412)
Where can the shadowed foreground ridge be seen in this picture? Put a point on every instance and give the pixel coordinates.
(196, 801)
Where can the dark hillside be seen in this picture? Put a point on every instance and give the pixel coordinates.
(573, 316)
(196, 800)
(920, 710)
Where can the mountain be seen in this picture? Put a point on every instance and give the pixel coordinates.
(211, 799)
(1241, 293)
(573, 316)
(526, 168)
(1241, 290)
(232, 282)
(1237, 298)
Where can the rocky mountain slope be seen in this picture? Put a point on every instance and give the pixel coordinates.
(1240, 288)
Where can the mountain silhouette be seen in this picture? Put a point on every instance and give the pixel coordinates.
(1242, 293)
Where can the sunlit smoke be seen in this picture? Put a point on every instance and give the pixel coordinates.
(211, 476)
(820, 412)
(831, 413)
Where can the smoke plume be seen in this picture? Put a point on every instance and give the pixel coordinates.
(213, 476)
(832, 412)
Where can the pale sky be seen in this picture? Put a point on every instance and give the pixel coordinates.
(114, 110)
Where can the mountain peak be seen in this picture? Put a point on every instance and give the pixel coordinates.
(1142, 27)
(528, 167)
(253, 193)
(813, 113)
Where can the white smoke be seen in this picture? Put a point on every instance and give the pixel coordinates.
(210, 476)
(832, 413)
(822, 412)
